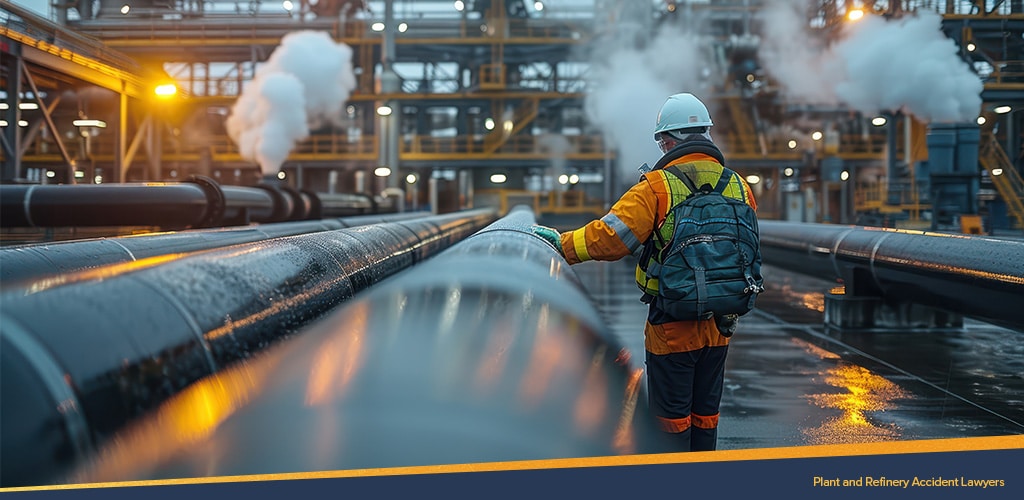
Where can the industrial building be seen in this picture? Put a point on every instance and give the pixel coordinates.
(232, 218)
(497, 100)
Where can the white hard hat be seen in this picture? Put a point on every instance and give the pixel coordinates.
(682, 111)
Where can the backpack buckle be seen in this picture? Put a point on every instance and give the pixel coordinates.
(752, 286)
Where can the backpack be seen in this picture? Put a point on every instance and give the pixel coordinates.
(711, 266)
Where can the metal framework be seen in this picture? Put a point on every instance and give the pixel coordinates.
(457, 73)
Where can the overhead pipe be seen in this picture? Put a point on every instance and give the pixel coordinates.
(22, 265)
(976, 276)
(83, 356)
(491, 351)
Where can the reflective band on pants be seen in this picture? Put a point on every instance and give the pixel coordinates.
(674, 425)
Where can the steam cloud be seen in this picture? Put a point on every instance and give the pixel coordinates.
(877, 65)
(303, 85)
(629, 85)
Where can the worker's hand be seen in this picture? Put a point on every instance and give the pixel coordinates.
(549, 235)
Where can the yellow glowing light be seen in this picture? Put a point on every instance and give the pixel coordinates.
(816, 135)
(166, 90)
(855, 15)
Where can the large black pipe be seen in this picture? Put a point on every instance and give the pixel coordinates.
(82, 357)
(491, 351)
(975, 276)
(22, 265)
(159, 204)
(196, 203)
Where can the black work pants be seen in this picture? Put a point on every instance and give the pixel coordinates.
(685, 391)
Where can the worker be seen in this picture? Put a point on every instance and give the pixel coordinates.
(685, 360)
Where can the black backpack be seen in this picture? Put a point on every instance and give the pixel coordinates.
(712, 264)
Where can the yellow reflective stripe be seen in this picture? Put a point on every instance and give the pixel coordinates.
(579, 243)
(646, 284)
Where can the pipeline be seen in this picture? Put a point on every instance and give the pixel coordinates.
(975, 276)
(84, 355)
(198, 202)
(491, 351)
(22, 265)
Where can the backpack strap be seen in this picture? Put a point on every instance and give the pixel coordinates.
(723, 181)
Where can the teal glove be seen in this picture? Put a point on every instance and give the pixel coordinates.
(549, 235)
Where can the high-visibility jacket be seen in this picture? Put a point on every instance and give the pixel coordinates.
(631, 221)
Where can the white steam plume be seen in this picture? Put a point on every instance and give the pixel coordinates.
(876, 65)
(630, 84)
(303, 85)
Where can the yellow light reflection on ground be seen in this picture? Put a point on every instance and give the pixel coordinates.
(865, 393)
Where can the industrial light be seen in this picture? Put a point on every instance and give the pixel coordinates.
(574, 179)
(971, 47)
(281, 175)
(753, 179)
(22, 123)
(3, 105)
(28, 105)
(750, 78)
(844, 175)
(507, 126)
(98, 179)
(1003, 110)
(411, 178)
(384, 110)
(816, 135)
(538, 5)
(90, 123)
(459, 6)
(377, 26)
(788, 172)
(878, 121)
(402, 27)
(288, 5)
(489, 124)
(166, 90)
(981, 120)
(563, 179)
(792, 144)
(125, 8)
(997, 171)
(498, 178)
(81, 175)
(382, 171)
(855, 15)
(50, 174)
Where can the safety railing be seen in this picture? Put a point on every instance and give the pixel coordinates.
(1004, 175)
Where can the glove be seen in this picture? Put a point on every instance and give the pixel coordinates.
(549, 235)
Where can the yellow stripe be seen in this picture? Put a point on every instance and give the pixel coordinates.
(579, 242)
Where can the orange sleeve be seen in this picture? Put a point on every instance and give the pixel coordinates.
(619, 233)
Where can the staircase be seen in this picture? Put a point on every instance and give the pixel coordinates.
(1004, 176)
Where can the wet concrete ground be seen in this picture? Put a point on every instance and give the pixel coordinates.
(790, 382)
